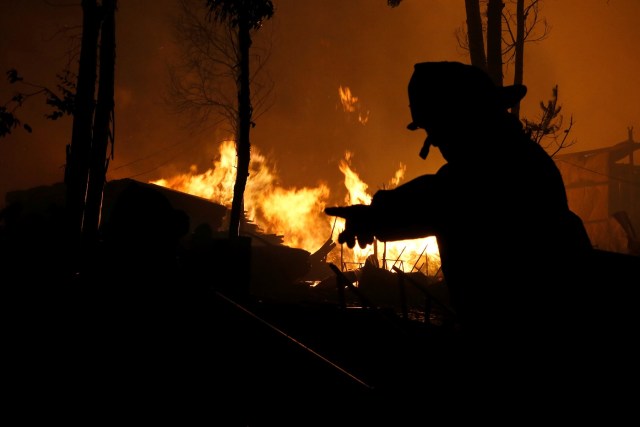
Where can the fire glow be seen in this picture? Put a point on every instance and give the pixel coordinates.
(297, 214)
(351, 105)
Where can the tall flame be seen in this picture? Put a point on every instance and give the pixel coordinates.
(215, 184)
(356, 188)
(297, 215)
(294, 213)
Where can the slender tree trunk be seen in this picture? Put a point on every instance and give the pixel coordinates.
(243, 145)
(494, 40)
(518, 76)
(78, 152)
(102, 133)
(475, 34)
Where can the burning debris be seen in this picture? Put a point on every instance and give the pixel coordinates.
(300, 266)
(296, 213)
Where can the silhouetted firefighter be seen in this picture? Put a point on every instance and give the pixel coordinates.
(511, 248)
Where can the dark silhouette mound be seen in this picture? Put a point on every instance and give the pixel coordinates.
(139, 271)
(514, 256)
(144, 226)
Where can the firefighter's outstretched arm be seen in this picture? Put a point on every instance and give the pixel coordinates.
(396, 214)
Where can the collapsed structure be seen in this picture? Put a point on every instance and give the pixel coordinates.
(603, 188)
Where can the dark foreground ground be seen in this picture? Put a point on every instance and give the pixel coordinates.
(198, 355)
(211, 357)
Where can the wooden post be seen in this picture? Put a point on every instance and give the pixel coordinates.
(375, 249)
(384, 256)
(403, 297)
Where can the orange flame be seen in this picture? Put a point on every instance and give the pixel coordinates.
(408, 255)
(297, 213)
(351, 104)
(294, 213)
(356, 188)
(215, 184)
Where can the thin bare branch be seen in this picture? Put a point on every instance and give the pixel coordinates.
(202, 85)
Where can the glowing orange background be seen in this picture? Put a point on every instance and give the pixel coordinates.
(591, 53)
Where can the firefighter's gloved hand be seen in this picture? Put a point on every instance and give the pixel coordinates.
(359, 224)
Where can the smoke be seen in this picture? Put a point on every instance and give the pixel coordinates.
(318, 48)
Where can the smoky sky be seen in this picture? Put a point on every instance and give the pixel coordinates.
(591, 53)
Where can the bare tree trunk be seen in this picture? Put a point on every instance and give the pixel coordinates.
(475, 34)
(518, 77)
(243, 145)
(494, 40)
(102, 126)
(78, 152)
